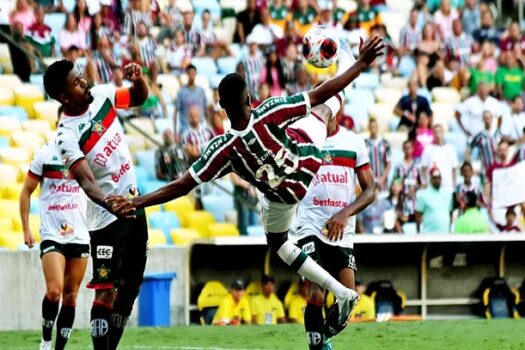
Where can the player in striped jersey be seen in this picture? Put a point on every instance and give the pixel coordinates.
(485, 141)
(65, 240)
(274, 147)
(379, 155)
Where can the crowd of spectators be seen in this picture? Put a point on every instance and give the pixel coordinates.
(435, 184)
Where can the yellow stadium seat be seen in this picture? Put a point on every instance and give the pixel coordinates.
(211, 295)
(156, 237)
(11, 240)
(29, 140)
(153, 209)
(9, 125)
(397, 83)
(388, 95)
(10, 80)
(6, 224)
(9, 209)
(224, 229)
(183, 236)
(47, 111)
(14, 155)
(294, 287)
(181, 207)
(26, 95)
(7, 98)
(445, 94)
(200, 220)
(136, 143)
(8, 173)
(37, 126)
(34, 225)
(11, 191)
(254, 288)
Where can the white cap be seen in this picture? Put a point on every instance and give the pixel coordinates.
(184, 6)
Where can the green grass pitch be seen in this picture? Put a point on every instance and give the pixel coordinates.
(429, 335)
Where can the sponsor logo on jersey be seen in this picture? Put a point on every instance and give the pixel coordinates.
(60, 207)
(63, 188)
(103, 272)
(329, 203)
(133, 192)
(111, 146)
(124, 168)
(331, 178)
(327, 158)
(65, 172)
(66, 230)
(104, 252)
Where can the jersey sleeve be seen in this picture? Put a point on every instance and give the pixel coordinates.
(362, 159)
(107, 90)
(214, 162)
(68, 147)
(36, 167)
(284, 110)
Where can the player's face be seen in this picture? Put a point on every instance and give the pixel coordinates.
(407, 148)
(237, 294)
(436, 181)
(467, 172)
(77, 91)
(268, 288)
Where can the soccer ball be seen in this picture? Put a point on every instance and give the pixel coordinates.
(321, 46)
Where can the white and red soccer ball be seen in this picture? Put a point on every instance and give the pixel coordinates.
(321, 46)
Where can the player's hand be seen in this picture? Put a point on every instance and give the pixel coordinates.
(132, 72)
(29, 239)
(121, 207)
(369, 51)
(335, 226)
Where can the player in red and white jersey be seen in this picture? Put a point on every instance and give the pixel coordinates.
(274, 147)
(91, 142)
(331, 201)
(65, 239)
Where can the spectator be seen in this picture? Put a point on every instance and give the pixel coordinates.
(22, 62)
(135, 14)
(487, 31)
(290, 63)
(365, 309)
(298, 304)
(164, 169)
(233, 309)
(82, 16)
(303, 17)
(459, 44)
(266, 32)
(273, 74)
(513, 38)
(445, 17)
(253, 66)
(39, 35)
(109, 19)
(23, 14)
(513, 127)
(243, 194)
(467, 185)
(469, 113)
(443, 157)
(427, 53)
(433, 206)
(510, 77)
(147, 49)
(364, 17)
(408, 105)
(267, 308)
(71, 35)
(290, 38)
(263, 94)
(246, 20)
(440, 75)
(179, 54)
(471, 16)
(472, 221)
(485, 142)
(104, 61)
(422, 134)
(372, 219)
(191, 35)
(408, 169)
(98, 30)
(485, 70)
(410, 35)
(213, 46)
(510, 222)
(196, 137)
(379, 155)
(391, 203)
(189, 95)
(502, 159)
(301, 82)
(278, 13)
(406, 211)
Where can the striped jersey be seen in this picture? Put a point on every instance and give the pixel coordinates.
(147, 50)
(281, 162)
(379, 154)
(132, 20)
(409, 37)
(253, 66)
(333, 187)
(199, 136)
(104, 69)
(485, 142)
(408, 173)
(97, 136)
(462, 188)
(459, 47)
(62, 201)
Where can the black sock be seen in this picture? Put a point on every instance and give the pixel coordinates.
(121, 310)
(66, 317)
(100, 315)
(49, 314)
(117, 324)
(313, 324)
(331, 325)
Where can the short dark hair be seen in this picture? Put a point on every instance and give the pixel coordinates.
(55, 77)
(267, 279)
(471, 199)
(206, 11)
(466, 164)
(73, 48)
(230, 87)
(191, 66)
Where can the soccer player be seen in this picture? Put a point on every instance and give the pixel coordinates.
(65, 240)
(279, 159)
(325, 223)
(91, 142)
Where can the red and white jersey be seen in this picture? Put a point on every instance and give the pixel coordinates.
(62, 201)
(333, 187)
(98, 137)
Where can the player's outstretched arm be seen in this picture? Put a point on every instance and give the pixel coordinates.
(139, 91)
(369, 52)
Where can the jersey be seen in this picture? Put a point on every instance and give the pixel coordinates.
(486, 144)
(379, 154)
(267, 310)
(233, 313)
(409, 174)
(279, 161)
(462, 188)
(97, 136)
(62, 201)
(333, 187)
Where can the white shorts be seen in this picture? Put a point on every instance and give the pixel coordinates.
(276, 217)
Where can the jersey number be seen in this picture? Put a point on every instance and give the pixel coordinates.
(285, 164)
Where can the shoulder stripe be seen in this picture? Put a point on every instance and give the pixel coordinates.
(99, 125)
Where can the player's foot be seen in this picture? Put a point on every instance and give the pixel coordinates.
(346, 306)
(45, 345)
(327, 344)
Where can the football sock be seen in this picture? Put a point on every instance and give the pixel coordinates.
(332, 327)
(117, 324)
(121, 310)
(100, 314)
(65, 320)
(49, 314)
(313, 324)
(309, 269)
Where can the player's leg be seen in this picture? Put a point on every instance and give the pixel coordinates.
(75, 269)
(53, 266)
(134, 242)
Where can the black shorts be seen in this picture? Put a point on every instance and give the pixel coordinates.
(68, 250)
(119, 252)
(332, 258)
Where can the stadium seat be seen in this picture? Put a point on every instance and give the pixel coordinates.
(209, 299)
(255, 231)
(367, 81)
(56, 22)
(388, 95)
(11, 240)
(165, 221)
(183, 236)
(8, 125)
(6, 224)
(237, 5)
(34, 224)
(150, 186)
(162, 124)
(227, 64)
(224, 229)
(169, 84)
(218, 205)
(11, 190)
(40, 126)
(13, 111)
(205, 66)
(445, 94)
(22, 170)
(156, 238)
(38, 80)
(35, 206)
(397, 83)
(10, 81)
(200, 220)
(8, 173)
(182, 207)
(135, 143)
(395, 139)
(146, 159)
(7, 97)
(48, 111)
(4, 141)
(14, 155)
(459, 141)
(153, 209)
(26, 95)
(383, 113)
(229, 25)
(144, 124)
(28, 140)
(141, 174)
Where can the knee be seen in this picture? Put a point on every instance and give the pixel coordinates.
(316, 294)
(105, 296)
(53, 294)
(69, 298)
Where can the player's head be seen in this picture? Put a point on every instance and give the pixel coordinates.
(234, 96)
(237, 289)
(435, 177)
(487, 120)
(64, 84)
(466, 170)
(267, 285)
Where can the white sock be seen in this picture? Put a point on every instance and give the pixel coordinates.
(309, 269)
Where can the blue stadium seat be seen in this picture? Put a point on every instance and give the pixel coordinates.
(150, 186)
(146, 159)
(218, 205)
(205, 66)
(162, 124)
(165, 221)
(255, 231)
(15, 111)
(38, 79)
(227, 64)
(142, 174)
(367, 81)
(4, 142)
(215, 80)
